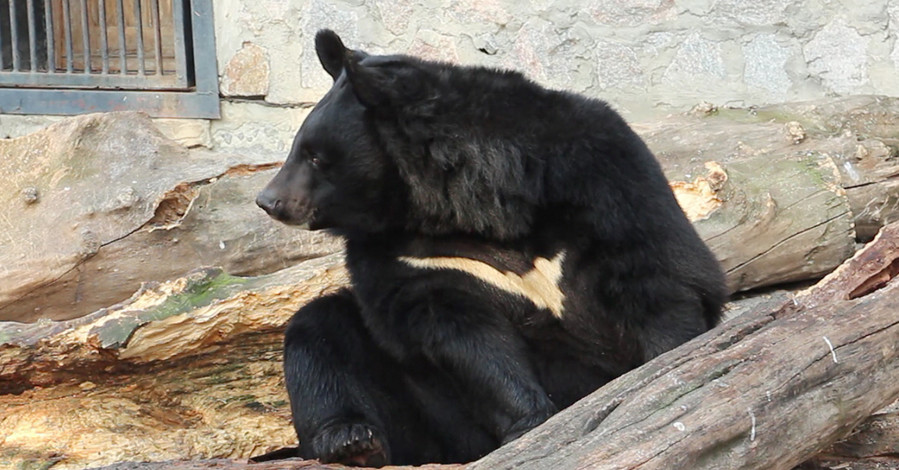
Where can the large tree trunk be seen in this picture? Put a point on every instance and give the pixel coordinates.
(185, 369)
(97, 204)
(768, 389)
(190, 369)
(783, 193)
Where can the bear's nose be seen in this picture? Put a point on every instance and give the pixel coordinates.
(268, 202)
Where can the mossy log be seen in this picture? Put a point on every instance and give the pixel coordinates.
(190, 370)
(783, 193)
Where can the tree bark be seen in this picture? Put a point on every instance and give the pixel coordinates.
(877, 437)
(768, 389)
(97, 204)
(782, 193)
(190, 369)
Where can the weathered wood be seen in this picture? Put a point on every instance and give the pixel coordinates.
(851, 464)
(96, 204)
(872, 444)
(804, 181)
(876, 437)
(185, 369)
(223, 464)
(191, 368)
(768, 389)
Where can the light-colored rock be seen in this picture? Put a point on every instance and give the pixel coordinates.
(395, 15)
(617, 67)
(247, 73)
(632, 13)
(257, 128)
(893, 10)
(434, 46)
(547, 55)
(697, 58)
(324, 14)
(755, 13)
(837, 54)
(765, 65)
(187, 132)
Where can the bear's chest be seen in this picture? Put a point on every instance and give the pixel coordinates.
(538, 282)
(515, 277)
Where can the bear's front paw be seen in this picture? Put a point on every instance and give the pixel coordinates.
(527, 423)
(351, 444)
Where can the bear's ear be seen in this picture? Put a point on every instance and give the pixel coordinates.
(370, 84)
(386, 82)
(331, 52)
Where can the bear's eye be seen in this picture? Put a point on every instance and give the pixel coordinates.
(315, 161)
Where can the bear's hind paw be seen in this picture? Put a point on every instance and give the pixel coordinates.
(351, 444)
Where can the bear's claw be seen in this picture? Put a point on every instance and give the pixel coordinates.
(351, 444)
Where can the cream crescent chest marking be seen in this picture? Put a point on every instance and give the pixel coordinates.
(539, 285)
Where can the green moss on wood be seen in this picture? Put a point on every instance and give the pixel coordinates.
(203, 288)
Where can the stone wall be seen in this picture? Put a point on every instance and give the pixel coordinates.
(644, 56)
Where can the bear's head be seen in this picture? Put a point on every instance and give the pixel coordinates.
(336, 175)
(400, 143)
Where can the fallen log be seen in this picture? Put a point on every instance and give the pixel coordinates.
(877, 437)
(190, 370)
(782, 193)
(97, 204)
(768, 389)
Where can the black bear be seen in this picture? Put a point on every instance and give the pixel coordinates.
(511, 249)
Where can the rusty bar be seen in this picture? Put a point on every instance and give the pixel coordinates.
(85, 37)
(203, 47)
(104, 43)
(32, 35)
(14, 36)
(1, 51)
(181, 44)
(93, 80)
(51, 41)
(139, 22)
(123, 50)
(157, 34)
(159, 104)
(67, 19)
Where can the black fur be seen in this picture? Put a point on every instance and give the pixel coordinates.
(419, 163)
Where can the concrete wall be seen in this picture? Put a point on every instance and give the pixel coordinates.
(643, 56)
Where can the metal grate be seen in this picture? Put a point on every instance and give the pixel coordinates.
(114, 45)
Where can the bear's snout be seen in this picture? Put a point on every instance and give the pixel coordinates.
(288, 211)
(270, 203)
